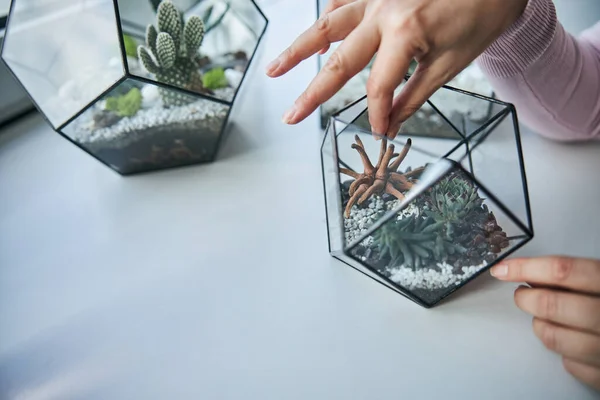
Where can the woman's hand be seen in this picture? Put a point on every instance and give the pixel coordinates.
(443, 36)
(565, 303)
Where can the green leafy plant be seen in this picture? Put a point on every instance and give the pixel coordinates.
(171, 51)
(130, 46)
(413, 241)
(126, 105)
(452, 200)
(214, 79)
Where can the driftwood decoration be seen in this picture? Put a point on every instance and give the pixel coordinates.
(381, 178)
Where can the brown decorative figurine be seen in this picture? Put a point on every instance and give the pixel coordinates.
(381, 178)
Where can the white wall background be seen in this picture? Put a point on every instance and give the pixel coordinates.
(576, 15)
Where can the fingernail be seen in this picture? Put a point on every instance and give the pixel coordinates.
(273, 65)
(289, 114)
(499, 271)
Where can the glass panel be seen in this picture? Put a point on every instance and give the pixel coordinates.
(334, 211)
(376, 177)
(465, 111)
(4, 6)
(453, 232)
(132, 130)
(461, 156)
(332, 191)
(427, 130)
(65, 53)
(205, 50)
(497, 163)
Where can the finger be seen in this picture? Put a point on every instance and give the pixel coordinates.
(577, 345)
(335, 4)
(349, 59)
(570, 309)
(585, 373)
(426, 80)
(331, 27)
(570, 273)
(324, 49)
(387, 73)
(331, 6)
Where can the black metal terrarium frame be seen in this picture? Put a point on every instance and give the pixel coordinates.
(129, 76)
(465, 140)
(20, 105)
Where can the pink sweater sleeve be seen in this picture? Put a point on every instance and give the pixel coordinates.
(551, 77)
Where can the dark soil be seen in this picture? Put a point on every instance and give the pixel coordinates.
(160, 148)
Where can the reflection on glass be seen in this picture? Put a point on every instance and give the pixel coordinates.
(65, 53)
(132, 129)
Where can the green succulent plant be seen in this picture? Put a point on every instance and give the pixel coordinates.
(126, 105)
(452, 200)
(171, 51)
(413, 241)
(214, 79)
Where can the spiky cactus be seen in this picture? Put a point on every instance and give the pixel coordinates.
(172, 48)
(413, 241)
(452, 200)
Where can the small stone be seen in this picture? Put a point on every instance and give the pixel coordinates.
(150, 96)
(233, 77)
(388, 197)
(105, 119)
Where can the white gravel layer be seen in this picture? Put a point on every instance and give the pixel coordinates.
(429, 278)
(213, 113)
(361, 219)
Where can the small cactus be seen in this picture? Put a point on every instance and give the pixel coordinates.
(171, 51)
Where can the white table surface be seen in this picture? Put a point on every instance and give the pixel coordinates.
(214, 281)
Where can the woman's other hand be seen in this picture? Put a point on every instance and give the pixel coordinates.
(565, 304)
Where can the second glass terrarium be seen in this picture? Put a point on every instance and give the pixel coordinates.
(426, 212)
(140, 85)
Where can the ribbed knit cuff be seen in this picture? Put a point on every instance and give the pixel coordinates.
(523, 42)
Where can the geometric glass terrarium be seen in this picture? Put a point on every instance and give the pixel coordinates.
(428, 211)
(139, 84)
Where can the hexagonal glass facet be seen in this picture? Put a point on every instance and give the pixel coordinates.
(425, 213)
(138, 84)
(154, 137)
(64, 52)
